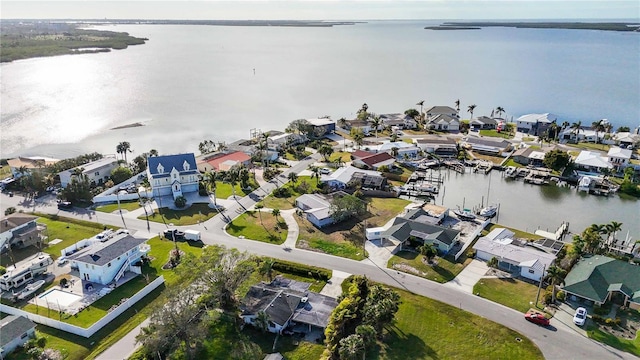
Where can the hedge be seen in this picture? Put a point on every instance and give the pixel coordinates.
(302, 270)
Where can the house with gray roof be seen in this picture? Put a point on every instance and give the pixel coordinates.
(405, 231)
(15, 331)
(442, 110)
(535, 124)
(317, 209)
(174, 175)
(105, 262)
(97, 172)
(489, 146)
(483, 123)
(19, 230)
(287, 307)
(442, 146)
(602, 279)
(443, 122)
(350, 176)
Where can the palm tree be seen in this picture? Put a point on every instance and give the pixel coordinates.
(265, 145)
(556, 276)
(576, 127)
(394, 151)
(276, 212)
(500, 111)
(394, 137)
(358, 138)
(597, 127)
(262, 321)
(338, 162)
(153, 152)
(123, 148)
(457, 102)
(209, 180)
(293, 177)
(315, 172)
(259, 208)
(612, 229)
(429, 251)
(267, 268)
(421, 103)
(470, 109)
(22, 170)
(351, 347)
(232, 178)
(342, 122)
(376, 122)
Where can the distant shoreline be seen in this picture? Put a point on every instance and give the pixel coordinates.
(135, 124)
(283, 23)
(606, 26)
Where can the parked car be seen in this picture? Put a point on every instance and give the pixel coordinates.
(580, 317)
(65, 205)
(62, 260)
(174, 234)
(325, 171)
(537, 318)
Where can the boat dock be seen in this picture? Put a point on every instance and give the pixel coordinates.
(562, 230)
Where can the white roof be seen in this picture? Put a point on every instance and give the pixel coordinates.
(593, 159)
(538, 118)
(521, 255)
(320, 122)
(619, 153)
(500, 233)
(94, 165)
(539, 155)
(344, 174)
(313, 201)
(401, 145)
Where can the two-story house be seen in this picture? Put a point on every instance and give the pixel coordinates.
(26, 165)
(19, 230)
(106, 262)
(535, 124)
(173, 174)
(619, 157)
(97, 172)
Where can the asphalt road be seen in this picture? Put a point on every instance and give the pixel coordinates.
(556, 342)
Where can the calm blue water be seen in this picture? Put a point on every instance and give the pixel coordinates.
(190, 83)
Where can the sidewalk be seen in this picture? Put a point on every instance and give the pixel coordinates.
(334, 285)
(292, 228)
(125, 347)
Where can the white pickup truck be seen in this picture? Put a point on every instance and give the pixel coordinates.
(192, 235)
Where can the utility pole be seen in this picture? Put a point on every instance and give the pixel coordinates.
(544, 268)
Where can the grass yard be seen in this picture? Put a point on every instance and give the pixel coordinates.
(630, 346)
(343, 156)
(446, 270)
(160, 255)
(345, 239)
(494, 133)
(288, 202)
(513, 163)
(591, 146)
(124, 205)
(5, 171)
(428, 329)
(224, 190)
(519, 233)
(494, 159)
(192, 215)
(512, 293)
(251, 227)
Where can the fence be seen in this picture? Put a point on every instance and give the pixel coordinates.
(110, 195)
(471, 238)
(80, 331)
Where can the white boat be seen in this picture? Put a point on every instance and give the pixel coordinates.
(30, 289)
(464, 214)
(511, 171)
(489, 211)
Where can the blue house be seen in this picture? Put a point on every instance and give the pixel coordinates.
(173, 174)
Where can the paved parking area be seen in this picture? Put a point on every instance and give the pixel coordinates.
(334, 285)
(469, 276)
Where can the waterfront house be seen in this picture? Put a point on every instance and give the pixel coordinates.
(443, 122)
(224, 161)
(406, 231)
(442, 110)
(174, 175)
(535, 124)
(483, 123)
(513, 255)
(402, 121)
(23, 165)
(627, 140)
(321, 127)
(584, 135)
(286, 307)
(529, 156)
(107, 260)
(600, 279)
(350, 176)
(592, 161)
(19, 230)
(372, 160)
(15, 331)
(404, 149)
(285, 140)
(97, 172)
(362, 125)
(619, 157)
(441, 146)
(489, 146)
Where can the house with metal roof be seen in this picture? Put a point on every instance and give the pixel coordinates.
(97, 172)
(403, 149)
(602, 279)
(405, 230)
(317, 209)
(487, 145)
(320, 127)
(374, 161)
(592, 161)
(442, 146)
(529, 156)
(349, 176)
(287, 307)
(15, 331)
(535, 124)
(105, 262)
(173, 174)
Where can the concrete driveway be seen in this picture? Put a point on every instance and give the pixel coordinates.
(469, 276)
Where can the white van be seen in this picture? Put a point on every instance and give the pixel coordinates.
(192, 235)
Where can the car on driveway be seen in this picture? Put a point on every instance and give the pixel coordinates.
(580, 317)
(325, 171)
(65, 205)
(537, 318)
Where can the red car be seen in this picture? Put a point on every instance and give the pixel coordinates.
(536, 318)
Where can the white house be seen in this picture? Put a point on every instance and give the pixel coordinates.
(592, 161)
(15, 331)
(19, 230)
(28, 164)
(443, 122)
(173, 174)
(535, 124)
(363, 125)
(343, 176)
(442, 110)
(97, 172)
(402, 121)
(374, 161)
(106, 261)
(411, 150)
(619, 157)
(439, 145)
(512, 256)
(281, 141)
(317, 209)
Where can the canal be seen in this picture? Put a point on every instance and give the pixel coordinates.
(530, 207)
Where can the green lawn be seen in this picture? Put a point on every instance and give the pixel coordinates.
(223, 190)
(512, 162)
(512, 293)
(342, 155)
(252, 227)
(300, 156)
(446, 270)
(428, 329)
(5, 171)
(494, 133)
(284, 203)
(592, 146)
(192, 215)
(630, 346)
(519, 233)
(124, 205)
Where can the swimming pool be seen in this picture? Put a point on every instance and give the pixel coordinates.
(59, 297)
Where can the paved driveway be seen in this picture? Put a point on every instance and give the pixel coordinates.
(469, 276)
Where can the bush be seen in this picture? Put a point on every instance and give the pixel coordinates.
(547, 298)
(560, 295)
(493, 262)
(3, 270)
(301, 270)
(180, 202)
(282, 192)
(599, 310)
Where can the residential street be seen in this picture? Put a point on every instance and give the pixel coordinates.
(560, 341)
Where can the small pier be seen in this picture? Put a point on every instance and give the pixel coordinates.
(454, 165)
(562, 230)
(538, 177)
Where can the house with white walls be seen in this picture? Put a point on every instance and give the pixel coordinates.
(174, 175)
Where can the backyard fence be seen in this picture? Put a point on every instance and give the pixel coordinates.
(95, 327)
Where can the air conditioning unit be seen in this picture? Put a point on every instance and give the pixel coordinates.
(304, 300)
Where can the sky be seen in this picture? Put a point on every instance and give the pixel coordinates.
(321, 10)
